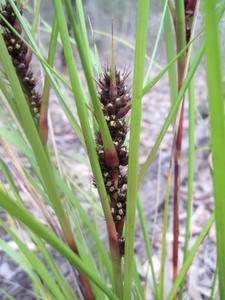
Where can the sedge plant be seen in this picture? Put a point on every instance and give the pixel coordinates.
(96, 105)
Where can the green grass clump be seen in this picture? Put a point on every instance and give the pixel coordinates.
(97, 112)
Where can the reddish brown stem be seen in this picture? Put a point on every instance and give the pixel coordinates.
(176, 193)
(191, 4)
(189, 11)
(43, 128)
(115, 254)
(114, 244)
(85, 283)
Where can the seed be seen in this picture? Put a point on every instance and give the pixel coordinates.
(35, 110)
(18, 46)
(107, 118)
(12, 41)
(121, 133)
(10, 48)
(111, 189)
(113, 124)
(123, 151)
(120, 102)
(124, 189)
(108, 183)
(122, 197)
(21, 66)
(120, 212)
(106, 174)
(121, 123)
(119, 141)
(118, 217)
(126, 97)
(110, 107)
(116, 144)
(112, 210)
(101, 154)
(123, 111)
(119, 204)
(124, 160)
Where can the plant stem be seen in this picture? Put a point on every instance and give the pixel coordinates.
(43, 126)
(33, 137)
(36, 17)
(43, 232)
(84, 52)
(172, 10)
(141, 37)
(171, 115)
(147, 244)
(190, 173)
(190, 257)
(182, 35)
(181, 39)
(216, 112)
(82, 113)
(170, 52)
(165, 221)
(214, 283)
(181, 42)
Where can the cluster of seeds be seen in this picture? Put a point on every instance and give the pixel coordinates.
(115, 101)
(21, 58)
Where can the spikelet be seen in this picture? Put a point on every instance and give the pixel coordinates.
(115, 102)
(21, 58)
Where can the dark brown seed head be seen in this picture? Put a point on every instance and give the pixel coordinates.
(18, 51)
(115, 103)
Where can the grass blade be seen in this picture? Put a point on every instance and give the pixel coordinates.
(190, 257)
(156, 43)
(141, 36)
(43, 127)
(216, 112)
(147, 244)
(84, 51)
(171, 114)
(170, 52)
(36, 263)
(82, 112)
(24, 217)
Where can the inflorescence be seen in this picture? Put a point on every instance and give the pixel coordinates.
(115, 101)
(21, 58)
